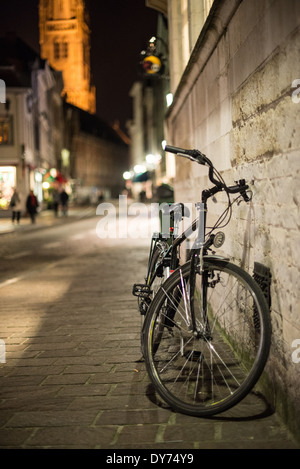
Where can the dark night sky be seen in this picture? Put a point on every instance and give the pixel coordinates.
(120, 30)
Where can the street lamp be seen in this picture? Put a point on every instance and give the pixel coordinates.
(169, 99)
(153, 159)
(139, 168)
(127, 175)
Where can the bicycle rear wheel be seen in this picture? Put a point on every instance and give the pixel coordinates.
(157, 274)
(208, 372)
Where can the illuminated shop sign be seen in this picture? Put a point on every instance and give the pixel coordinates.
(151, 64)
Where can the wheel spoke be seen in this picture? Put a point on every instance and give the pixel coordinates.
(206, 371)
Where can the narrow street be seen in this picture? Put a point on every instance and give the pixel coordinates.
(72, 376)
(31, 248)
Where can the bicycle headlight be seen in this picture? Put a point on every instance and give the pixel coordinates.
(219, 239)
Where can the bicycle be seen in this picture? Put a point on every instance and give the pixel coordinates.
(163, 257)
(207, 332)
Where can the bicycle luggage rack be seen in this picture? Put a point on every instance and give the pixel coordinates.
(141, 290)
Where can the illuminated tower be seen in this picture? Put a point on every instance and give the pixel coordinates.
(65, 43)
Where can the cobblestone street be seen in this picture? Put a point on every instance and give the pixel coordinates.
(73, 377)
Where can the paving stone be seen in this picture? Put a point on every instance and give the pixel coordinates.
(13, 438)
(74, 378)
(52, 418)
(72, 437)
(133, 417)
(131, 434)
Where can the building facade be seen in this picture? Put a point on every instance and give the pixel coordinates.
(17, 150)
(65, 43)
(235, 74)
(31, 125)
(149, 105)
(48, 124)
(98, 157)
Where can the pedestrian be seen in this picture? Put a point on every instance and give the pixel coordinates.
(64, 198)
(32, 205)
(16, 206)
(56, 200)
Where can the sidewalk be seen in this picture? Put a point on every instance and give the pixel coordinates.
(73, 377)
(44, 218)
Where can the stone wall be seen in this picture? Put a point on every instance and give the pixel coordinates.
(236, 102)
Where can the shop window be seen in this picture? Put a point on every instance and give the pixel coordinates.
(6, 134)
(7, 183)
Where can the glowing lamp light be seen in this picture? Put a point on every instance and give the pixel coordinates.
(169, 99)
(38, 177)
(150, 159)
(45, 185)
(53, 172)
(127, 175)
(153, 159)
(65, 156)
(139, 168)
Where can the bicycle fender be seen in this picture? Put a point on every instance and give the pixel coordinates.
(214, 256)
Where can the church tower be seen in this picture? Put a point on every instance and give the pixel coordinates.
(65, 43)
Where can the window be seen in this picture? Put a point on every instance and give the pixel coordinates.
(65, 49)
(56, 50)
(61, 50)
(6, 131)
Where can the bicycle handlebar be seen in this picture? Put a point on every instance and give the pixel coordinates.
(194, 155)
(198, 157)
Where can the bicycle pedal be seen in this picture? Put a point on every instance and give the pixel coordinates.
(141, 290)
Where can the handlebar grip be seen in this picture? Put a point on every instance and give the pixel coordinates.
(175, 150)
(241, 188)
(194, 155)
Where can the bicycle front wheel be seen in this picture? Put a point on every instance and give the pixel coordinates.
(207, 371)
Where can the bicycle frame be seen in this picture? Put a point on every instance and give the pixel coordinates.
(198, 252)
(170, 259)
(203, 344)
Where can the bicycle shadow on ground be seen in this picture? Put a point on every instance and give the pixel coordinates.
(253, 407)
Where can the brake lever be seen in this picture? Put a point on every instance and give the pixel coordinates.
(247, 194)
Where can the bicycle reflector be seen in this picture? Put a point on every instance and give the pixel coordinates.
(219, 239)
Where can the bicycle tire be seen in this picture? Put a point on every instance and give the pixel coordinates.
(153, 279)
(208, 374)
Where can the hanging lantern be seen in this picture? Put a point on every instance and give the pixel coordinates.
(151, 64)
